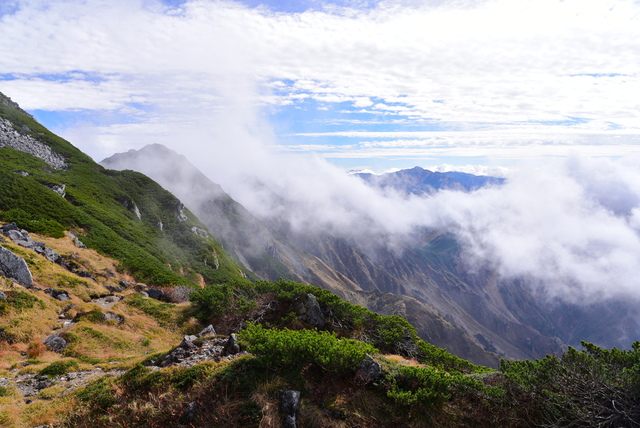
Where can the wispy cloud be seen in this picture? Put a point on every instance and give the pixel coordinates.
(467, 65)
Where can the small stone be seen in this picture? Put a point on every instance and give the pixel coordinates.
(189, 339)
(189, 413)
(208, 330)
(110, 316)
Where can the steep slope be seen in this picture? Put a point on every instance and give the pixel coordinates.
(49, 186)
(496, 316)
(273, 252)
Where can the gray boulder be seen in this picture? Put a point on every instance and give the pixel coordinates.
(208, 330)
(52, 256)
(8, 227)
(15, 267)
(200, 232)
(289, 406)
(58, 294)
(20, 237)
(309, 309)
(155, 293)
(110, 316)
(231, 347)
(58, 188)
(78, 243)
(55, 343)
(369, 371)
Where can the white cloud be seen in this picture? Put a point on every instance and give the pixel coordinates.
(485, 62)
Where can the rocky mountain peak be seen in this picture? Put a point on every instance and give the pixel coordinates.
(9, 102)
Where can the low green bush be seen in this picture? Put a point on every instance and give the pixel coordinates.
(588, 387)
(290, 348)
(211, 301)
(419, 385)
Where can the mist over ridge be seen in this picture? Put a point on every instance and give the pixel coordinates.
(569, 228)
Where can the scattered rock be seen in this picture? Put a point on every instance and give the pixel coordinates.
(20, 237)
(110, 316)
(124, 284)
(58, 188)
(55, 343)
(4, 297)
(208, 330)
(22, 173)
(15, 267)
(52, 256)
(191, 352)
(79, 244)
(200, 232)
(189, 413)
(181, 214)
(289, 405)
(155, 293)
(231, 347)
(58, 294)
(369, 371)
(8, 227)
(84, 274)
(188, 340)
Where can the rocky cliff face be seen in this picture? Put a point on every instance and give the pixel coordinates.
(19, 139)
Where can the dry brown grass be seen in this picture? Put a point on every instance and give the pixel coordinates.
(36, 349)
(399, 359)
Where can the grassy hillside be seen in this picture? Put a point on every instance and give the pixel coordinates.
(122, 214)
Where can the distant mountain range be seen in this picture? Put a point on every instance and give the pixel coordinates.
(419, 181)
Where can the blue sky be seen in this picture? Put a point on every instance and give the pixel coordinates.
(363, 84)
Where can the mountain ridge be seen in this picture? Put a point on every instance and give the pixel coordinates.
(259, 246)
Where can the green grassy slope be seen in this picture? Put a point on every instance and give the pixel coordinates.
(99, 208)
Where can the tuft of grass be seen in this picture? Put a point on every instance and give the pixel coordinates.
(58, 368)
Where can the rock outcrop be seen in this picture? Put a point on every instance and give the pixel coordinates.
(10, 137)
(289, 405)
(369, 371)
(22, 238)
(309, 310)
(15, 267)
